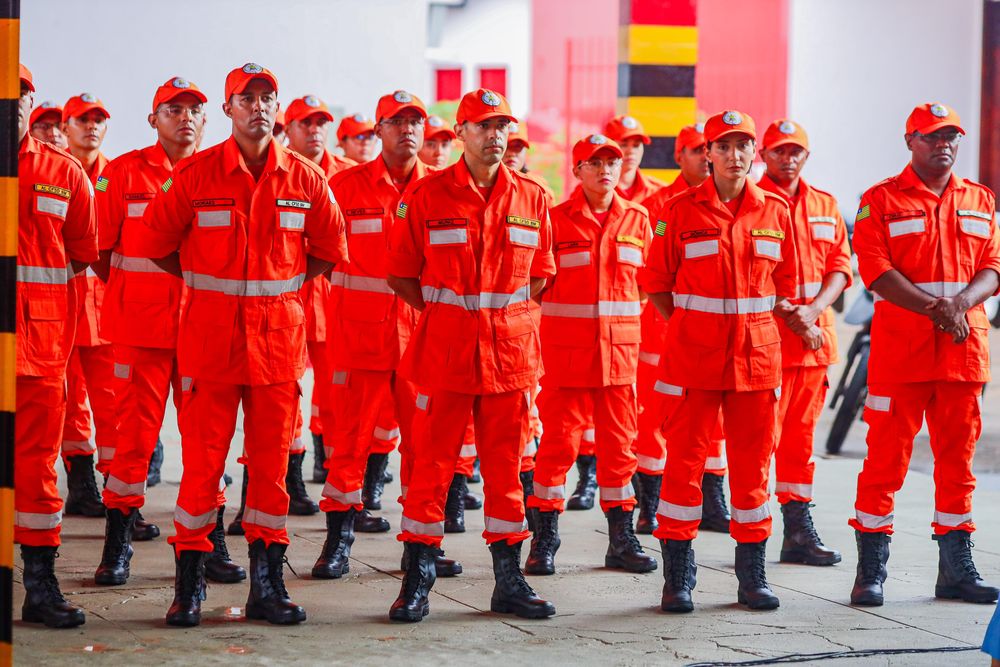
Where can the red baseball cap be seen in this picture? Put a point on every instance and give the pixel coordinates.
(436, 127)
(26, 77)
(45, 107)
(592, 144)
(237, 80)
(306, 106)
(482, 104)
(396, 102)
(625, 127)
(174, 88)
(354, 125)
(690, 136)
(518, 132)
(931, 117)
(729, 122)
(81, 104)
(784, 131)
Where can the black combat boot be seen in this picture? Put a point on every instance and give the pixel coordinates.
(334, 559)
(371, 492)
(475, 477)
(366, 522)
(142, 530)
(43, 601)
(219, 567)
(753, 591)
(454, 505)
(412, 604)
(544, 543)
(648, 495)
(873, 554)
(189, 589)
(624, 550)
(471, 501)
(714, 512)
(268, 599)
(801, 543)
(82, 497)
(512, 594)
(586, 486)
(319, 458)
(527, 478)
(443, 566)
(679, 575)
(958, 578)
(114, 567)
(299, 502)
(236, 525)
(155, 465)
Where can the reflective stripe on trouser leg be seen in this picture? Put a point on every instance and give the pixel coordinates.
(716, 463)
(587, 446)
(954, 419)
(76, 420)
(894, 414)
(615, 424)
(467, 455)
(803, 392)
(38, 430)
(354, 408)
(566, 412)
(650, 447)
(503, 421)
(98, 365)
(751, 418)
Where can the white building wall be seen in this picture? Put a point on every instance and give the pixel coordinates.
(858, 67)
(349, 52)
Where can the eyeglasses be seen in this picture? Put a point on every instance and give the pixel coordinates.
(597, 163)
(403, 122)
(176, 111)
(948, 136)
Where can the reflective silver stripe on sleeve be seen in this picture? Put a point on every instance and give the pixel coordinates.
(752, 515)
(211, 219)
(192, 522)
(650, 358)
(701, 249)
(668, 389)
(53, 206)
(467, 451)
(679, 512)
(44, 275)
(901, 227)
(348, 498)
(408, 525)
(526, 237)
(121, 488)
(494, 525)
(134, 264)
(37, 520)
(385, 434)
(258, 518)
(706, 304)
(878, 403)
(951, 520)
(873, 521)
(366, 226)
(568, 260)
(248, 288)
(649, 463)
(617, 492)
(804, 490)
(550, 492)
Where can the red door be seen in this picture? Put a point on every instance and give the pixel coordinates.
(494, 78)
(449, 84)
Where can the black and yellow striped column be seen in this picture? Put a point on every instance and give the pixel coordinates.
(657, 54)
(10, 92)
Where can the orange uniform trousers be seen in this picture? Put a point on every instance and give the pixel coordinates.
(321, 384)
(502, 423)
(566, 411)
(41, 402)
(803, 392)
(90, 375)
(751, 421)
(208, 423)
(143, 377)
(894, 413)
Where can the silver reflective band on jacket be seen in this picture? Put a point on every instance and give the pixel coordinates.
(938, 289)
(474, 302)
(707, 304)
(360, 283)
(251, 288)
(43, 275)
(592, 310)
(134, 264)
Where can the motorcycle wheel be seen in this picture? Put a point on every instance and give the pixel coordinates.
(851, 404)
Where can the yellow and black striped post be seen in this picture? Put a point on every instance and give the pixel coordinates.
(657, 54)
(10, 92)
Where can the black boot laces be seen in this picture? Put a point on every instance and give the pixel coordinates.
(758, 575)
(680, 564)
(961, 554)
(454, 503)
(49, 584)
(717, 496)
(417, 576)
(295, 483)
(871, 564)
(806, 523)
(628, 536)
(515, 578)
(219, 549)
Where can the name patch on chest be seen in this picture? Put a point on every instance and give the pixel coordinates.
(899, 215)
(205, 203)
(769, 233)
(524, 222)
(364, 211)
(294, 203)
(447, 222)
(53, 190)
(139, 196)
(700, 234)
(631, 240)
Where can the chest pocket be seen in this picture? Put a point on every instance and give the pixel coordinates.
(908, 227)
(767, 248)
(629, 252)
(135, 209)
(51, 205)
(365, 226)
(701, 249)
(823, 228)
(521, 245)
(210, 220)
(974, 232)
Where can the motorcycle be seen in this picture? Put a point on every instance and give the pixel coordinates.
(852, 389)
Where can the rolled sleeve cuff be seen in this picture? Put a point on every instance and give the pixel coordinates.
(543, 266)
(870, 272)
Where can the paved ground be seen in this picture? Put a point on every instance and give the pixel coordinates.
(604, 617)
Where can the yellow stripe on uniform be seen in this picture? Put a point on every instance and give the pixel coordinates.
(658, 45)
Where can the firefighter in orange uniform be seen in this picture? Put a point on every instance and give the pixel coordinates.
(356, 137)
(928, 247)
(56, 235)
(140, 317)
(438, 142)
(722, 257)
(824, 271)
(46, 124)
(471, 247)
(590, 345)
(240, 213)
(89, 376)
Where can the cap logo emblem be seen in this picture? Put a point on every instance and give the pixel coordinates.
(311, 101)
(939, 110)
(787, 127)
(88, 98)
(434, 121)
(180, 83)
(598, 139)
(252, 68)
(629, 123)
(490, 98)
(732, 118)
(699, 128)
(402, 97)
(47, 104)
(359, 118)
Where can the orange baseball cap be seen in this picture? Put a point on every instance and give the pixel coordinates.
(931, 117)
(592, 144)
(518, 132)
(45, 107)
(305, 106)
(354, 125)
(729, 122)
(176, 87)
(690, 136)
(784, 131)
(436, 127)
(625, 127)
(237, 80)
(397, 101)
(26, 77)
(81, 104)
(482, 104)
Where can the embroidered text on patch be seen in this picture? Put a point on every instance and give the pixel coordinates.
(632, 240)
(53, 190)
(294, 203)
(524, 222)
(770, 233)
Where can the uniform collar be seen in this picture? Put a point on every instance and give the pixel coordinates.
(581, 207)
(463, 177)
(378, 171)
(908, 179)
(156, 156)
(753, 196)
(766, 183)
(29, 145)
(277, 157)
(638, 185)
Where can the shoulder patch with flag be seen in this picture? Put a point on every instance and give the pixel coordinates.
(401, 211)
(102, 184)
(661, 228)
(863, 213)
(167, 184)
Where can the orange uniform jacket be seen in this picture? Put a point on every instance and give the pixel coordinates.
(725, 273)
(368, 325)
(474, 260)
(550, 196)
(821, 243)
(243, 253)
(142, 302)
(938, 244)
(90, 288)
(56, 223)
(590, 313)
